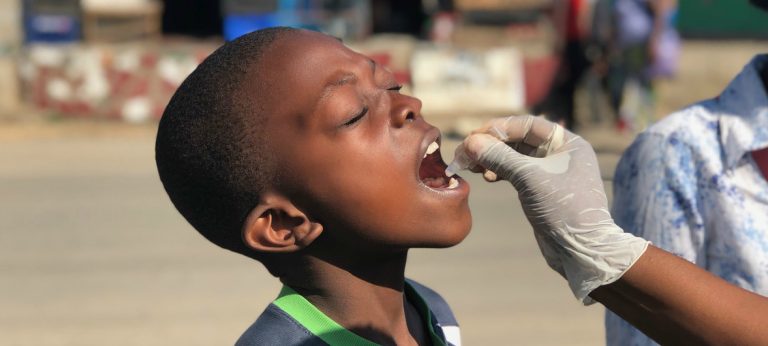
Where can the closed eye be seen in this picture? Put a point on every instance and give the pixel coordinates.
(395, 88)
(356, 118)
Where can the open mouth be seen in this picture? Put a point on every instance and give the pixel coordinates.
(432, 169)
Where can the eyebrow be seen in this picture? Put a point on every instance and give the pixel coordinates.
(346, 78)
(373, 66)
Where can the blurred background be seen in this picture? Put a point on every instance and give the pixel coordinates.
(92, 252)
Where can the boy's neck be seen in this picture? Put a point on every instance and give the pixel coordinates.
(365, 297)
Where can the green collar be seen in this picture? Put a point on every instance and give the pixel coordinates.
(333, 333)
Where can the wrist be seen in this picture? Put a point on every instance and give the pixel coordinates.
(591, 261)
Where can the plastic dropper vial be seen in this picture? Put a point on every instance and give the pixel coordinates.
(460, 161)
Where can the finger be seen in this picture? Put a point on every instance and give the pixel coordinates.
(508, 129)
(477, 144)
(490, 176)
(493, 154)
(533, 145)
(554, 142)
(525, 149)
(477, 169)
(526, 129)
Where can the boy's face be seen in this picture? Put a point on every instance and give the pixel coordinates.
(350, 149)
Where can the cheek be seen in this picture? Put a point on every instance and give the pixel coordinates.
(366, 198)
(361, 182)
(368, 164)
(348, 176)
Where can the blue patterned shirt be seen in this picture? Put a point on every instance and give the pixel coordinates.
(689, 184)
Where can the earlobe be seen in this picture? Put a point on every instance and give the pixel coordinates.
(275, 225)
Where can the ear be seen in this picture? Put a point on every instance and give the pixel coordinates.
(275, 225)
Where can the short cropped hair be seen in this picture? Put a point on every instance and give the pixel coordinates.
(209, 152)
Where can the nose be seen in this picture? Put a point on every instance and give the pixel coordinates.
(405, 109)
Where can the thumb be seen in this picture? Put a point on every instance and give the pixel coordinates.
(495, 155)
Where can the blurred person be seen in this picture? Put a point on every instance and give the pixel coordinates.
(557, 177)
(289, 148)
(597, 53)
(571, 20)
(645, 46)
(696, 184)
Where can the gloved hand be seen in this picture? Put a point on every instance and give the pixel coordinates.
(558, 181)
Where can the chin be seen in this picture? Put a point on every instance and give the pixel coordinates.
(450, 235)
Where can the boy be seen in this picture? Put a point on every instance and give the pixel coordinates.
(289, 148)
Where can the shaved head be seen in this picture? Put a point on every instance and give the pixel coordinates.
(210, 151)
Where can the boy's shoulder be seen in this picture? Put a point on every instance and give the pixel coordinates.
(276, 327)
(291, 320)
(437, 305)
(443, 322)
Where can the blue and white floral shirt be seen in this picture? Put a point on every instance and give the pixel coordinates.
(689, 184)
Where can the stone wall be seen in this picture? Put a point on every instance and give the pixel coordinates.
(130, 82)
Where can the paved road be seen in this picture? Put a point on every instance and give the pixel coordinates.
(93, 253)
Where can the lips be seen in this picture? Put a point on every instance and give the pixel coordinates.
(432, 167)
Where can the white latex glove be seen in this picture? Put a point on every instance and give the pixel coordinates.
(562, 195)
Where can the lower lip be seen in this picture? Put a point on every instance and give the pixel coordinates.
(461, 189)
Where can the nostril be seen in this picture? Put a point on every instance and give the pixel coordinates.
(410, 116)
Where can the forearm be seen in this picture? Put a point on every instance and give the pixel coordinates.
(561, 191)
(674, 301)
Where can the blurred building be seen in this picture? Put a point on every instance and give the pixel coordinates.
(109, 59)
(721, 19)
(122, 59)
(10, 41)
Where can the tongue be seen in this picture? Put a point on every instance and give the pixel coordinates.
(432, 167)
(435, 182)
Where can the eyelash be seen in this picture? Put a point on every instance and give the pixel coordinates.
(357, 117)
(364, 111)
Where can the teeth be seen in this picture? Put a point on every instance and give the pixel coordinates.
(432, 148)
(453, 183)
